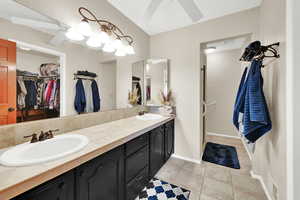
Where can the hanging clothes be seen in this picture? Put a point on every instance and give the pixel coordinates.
(80, 100)
(48, 92)
(96, 96)
(251, 105)
(21, 92)
(57, 95)
(88, 95)
(139, 93)
(52, 96)
(31, 97)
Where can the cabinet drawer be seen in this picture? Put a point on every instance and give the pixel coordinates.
(137, 143)
(136, 162)
(137, 184)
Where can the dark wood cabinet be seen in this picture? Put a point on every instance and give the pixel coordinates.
(119, 174)
(137, 165)
(169, 139)
(157, 150)
(60, 188)
(102, 178)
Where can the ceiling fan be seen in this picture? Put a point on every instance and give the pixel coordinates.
(189, 6)
(56, 29)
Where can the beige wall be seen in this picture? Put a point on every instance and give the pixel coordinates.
(182, 47)
(223, 77)
(269, 159)
(31, 61)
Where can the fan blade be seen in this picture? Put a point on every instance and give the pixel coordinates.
(191, 9)
(152, 7)
(35, 23)
(58, 39)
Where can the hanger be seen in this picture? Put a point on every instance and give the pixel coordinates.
(256, 51)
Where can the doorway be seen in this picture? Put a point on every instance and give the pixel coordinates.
(221, 72)
(27, 72)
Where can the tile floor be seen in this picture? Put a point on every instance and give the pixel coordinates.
(208, 181)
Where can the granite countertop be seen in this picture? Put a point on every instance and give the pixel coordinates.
(102, 138)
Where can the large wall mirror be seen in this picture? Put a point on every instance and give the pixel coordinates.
(44, 75)
(151, 79)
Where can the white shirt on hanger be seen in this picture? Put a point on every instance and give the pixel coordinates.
(88, 95)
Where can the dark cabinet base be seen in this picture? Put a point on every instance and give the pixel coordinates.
(116, 175)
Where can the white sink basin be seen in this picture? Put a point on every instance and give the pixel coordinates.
(149, 116)
(41, 152)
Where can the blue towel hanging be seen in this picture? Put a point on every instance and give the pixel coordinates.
(80, 100)
(252, 104)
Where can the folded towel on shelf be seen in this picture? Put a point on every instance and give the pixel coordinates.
(87, 73)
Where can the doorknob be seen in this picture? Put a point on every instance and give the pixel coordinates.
(11, 109)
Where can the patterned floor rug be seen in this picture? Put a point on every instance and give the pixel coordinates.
(161, 190)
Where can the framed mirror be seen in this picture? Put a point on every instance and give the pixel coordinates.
(151, 78)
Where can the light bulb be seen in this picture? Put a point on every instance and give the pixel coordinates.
(104, 37)
(108, 47)
(72, 34)
(130, 50)
(117, 44)
(120, 52)
(85, 28)
(94, 41)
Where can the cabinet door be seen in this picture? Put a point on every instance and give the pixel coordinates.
(60, 188)
(102, 178)
(156, 150)
(169, 139)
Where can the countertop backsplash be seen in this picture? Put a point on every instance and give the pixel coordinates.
(11, 135)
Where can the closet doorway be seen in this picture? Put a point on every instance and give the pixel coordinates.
(221, 72)
(31, 85)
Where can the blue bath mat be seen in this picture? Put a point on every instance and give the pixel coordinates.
(161, 190)
(221, 155)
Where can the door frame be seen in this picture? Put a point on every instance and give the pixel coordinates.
(62, 58)
(203, 61)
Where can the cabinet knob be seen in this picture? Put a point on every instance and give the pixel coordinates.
(11, 109)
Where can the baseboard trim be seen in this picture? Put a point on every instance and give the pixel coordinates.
(261, 180)
(235, 137)
(186, 159)
(248, 152)
(223, 135)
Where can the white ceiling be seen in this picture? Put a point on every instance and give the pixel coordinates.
(170, 15)
(17, 13)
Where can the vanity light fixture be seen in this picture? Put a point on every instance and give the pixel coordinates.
(110, 36)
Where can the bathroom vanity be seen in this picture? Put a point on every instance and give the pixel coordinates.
(119, 172)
